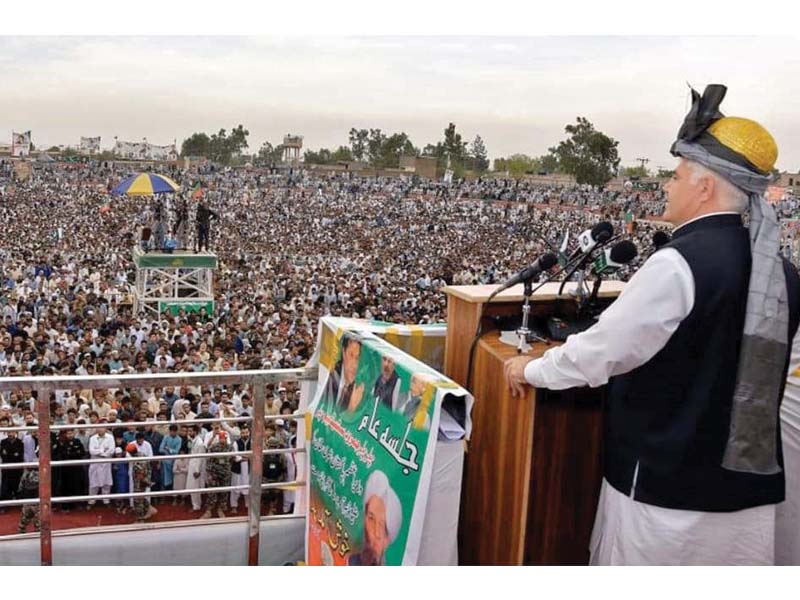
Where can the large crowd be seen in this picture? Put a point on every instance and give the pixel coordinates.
(293, 246)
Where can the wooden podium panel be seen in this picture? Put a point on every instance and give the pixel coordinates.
(496, 481)
(533, 467)
(533, 472)
(566, 476)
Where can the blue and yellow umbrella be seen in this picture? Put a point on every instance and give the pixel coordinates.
(146, 184)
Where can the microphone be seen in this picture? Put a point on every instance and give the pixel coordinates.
(590, 238)
(543, 263)
(660, 238)
(612, 259)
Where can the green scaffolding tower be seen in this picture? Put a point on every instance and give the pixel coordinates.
(172, 281)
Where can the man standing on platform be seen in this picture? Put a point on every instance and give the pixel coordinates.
(181, 219)
(159, 228)
(695, 352)
(203, 218)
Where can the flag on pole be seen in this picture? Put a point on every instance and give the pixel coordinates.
(630, 222)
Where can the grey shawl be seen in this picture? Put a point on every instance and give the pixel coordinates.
(752, 439)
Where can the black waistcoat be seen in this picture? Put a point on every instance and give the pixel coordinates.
(667, 421)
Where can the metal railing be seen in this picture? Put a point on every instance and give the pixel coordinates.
(256, 380)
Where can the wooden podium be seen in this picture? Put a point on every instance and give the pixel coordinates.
(533, 466)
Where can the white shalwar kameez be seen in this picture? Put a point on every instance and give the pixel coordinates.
(100, 478)
(196, 466)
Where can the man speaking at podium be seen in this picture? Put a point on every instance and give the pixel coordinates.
(695, 353)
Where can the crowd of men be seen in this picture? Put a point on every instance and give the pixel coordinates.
(112, 434)
(293, 246)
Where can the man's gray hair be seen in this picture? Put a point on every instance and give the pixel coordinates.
(733, 197)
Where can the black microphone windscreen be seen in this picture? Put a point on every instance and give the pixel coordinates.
(602, 231)
(660, 238)
(548, 261)
(623, 252)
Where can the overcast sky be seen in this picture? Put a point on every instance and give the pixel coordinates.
(517, 93)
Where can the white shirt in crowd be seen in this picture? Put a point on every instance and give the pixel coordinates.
(101, 447)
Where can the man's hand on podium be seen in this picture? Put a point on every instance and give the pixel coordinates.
(514, 369)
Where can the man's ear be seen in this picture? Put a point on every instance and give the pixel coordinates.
(706, 188)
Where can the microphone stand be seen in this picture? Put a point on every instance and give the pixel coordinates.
(590, 306)
(580, 264)
(523, 333)
(581, 289)
(479, 328)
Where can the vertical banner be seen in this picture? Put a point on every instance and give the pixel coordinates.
(90, 145)
(374, 426)
(21, 144)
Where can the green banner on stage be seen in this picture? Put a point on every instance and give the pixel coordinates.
(177, 260)
(373, 434)
(175, 306)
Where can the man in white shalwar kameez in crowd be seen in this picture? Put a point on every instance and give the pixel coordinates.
(240, 469)
(695, 352)
(101, 445)
(196, 477)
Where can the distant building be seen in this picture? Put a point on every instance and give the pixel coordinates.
(423, 166)
(352, 165)
(790, 181)
(408, 163)
(292, 144)
(558, 179)
(194, 161)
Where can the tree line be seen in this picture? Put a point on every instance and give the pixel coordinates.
(373, 147)
(586, 153)
(381, 150)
